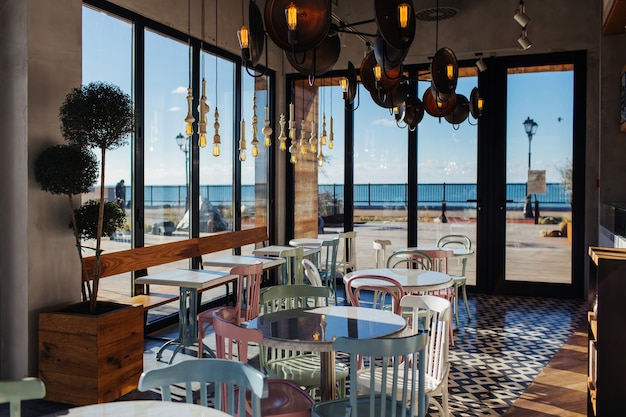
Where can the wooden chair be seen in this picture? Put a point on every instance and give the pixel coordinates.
(292, 269)
(285, 398)
(432, 314)
(392, 359)
(14, 392)
(230, 379)
(380, 247)
(460, 281)
(246, 305)
(378, 288)
(347, 260)
(303, 368)
(328, 265)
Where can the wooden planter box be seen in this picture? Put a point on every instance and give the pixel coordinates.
(88, 359)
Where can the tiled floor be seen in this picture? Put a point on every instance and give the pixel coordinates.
(495, 358)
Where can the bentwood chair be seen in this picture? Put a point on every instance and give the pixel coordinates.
(230, 379)
(303, 368)
(246, 305)
(410, 259)
(285, 398)
(347, 261)
(390, 360)
(460, 281)
(328, 265)
(14, 392)
(361, 288)
(380, 248)
(432, 314)
(312, 273)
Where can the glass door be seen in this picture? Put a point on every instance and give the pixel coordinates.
(539, 151)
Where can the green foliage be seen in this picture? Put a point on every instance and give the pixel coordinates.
(87, 219)
(566, 172)
(97, 115)
(66, 169)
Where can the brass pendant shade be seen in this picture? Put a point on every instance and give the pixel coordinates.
(351, 76)
(390, 77)
(414, 112)
(444, 71)
(391, 98)
(388, 22)
(435, 108)
(460, 112)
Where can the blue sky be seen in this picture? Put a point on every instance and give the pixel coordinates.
(445, 154)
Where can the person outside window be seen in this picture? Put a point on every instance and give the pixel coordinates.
(120, 193)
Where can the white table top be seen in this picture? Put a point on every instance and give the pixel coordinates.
(241, 260)
(413, 280)
(275, 250)
(142, 408)
(188, 278)
(310, 242)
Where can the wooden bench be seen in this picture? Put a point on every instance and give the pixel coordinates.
(140, 259)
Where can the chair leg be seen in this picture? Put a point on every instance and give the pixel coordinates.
(456, 304)
(469, 314)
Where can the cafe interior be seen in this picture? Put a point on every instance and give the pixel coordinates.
(267, 112)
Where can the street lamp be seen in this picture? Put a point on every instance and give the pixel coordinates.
(183, 144)
(530, 126)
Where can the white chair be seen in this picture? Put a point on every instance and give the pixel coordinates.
(13, 392)
(460, 281)
(432, 314)
(347, 262)
(380, 246)
(312, 273)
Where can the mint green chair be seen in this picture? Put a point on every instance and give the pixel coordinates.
(14, 392)
(230, 380)
(292, 268)
(303, 368)
(328, 265)
(395, 359)
(460, 281)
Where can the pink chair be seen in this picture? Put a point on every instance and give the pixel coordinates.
(380, 286)
(285, 398)
(247, 305)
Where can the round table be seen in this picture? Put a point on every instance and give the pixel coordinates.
(315, 329)
(455, 251)
(141, 408)
(413, 280)
(309, 242)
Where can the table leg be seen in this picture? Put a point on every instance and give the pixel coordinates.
(328, 387)
(187, 323)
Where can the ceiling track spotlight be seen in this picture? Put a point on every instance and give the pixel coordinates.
(480, 64)
(523, 41)
(520, 15)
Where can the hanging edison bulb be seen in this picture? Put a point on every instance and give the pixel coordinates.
(189, 119)
(216, 137)
(313, 138)
(255, 129)
(323, 137)
(203, 109)
(267, 130)
(320, 158)
(293, 150)
(302, 138)
(331, 135)
(242, 142)
(282, 137)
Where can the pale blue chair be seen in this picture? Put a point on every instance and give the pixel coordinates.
(460, 281)
(328, 265)
(14, 392)
(292, 268)
(230, 380)
(303, 368)
(393, 358)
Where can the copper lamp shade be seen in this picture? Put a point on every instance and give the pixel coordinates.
(431, 106)
(475, 104)
(388, 22)
(414, 111)
(318, 60)
(351, 76)
(390, 77)
(444, 82)
(314, 19)
(392, 98)
(387, 56)
(257, 33)
(460, 112)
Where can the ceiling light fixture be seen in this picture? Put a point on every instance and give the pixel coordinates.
(480, 64)
(520, 15)
(523, 41)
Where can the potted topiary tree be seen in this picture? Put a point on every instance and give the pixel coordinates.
(106, 339)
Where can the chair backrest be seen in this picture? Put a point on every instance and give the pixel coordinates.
(348, 254)
(14, 392)
(387, 354)
(231, 339)
(230, 379)
(377, 288)
(432, 314)
(286, 297)
(292, 269)
(249, 290)
(312, 273)
(410, 259)
(328, 263)
(454, 241)
(380, 246)
(439, 258)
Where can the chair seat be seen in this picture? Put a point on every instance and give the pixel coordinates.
(340, 408)
(303, 369)
(284, 399)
